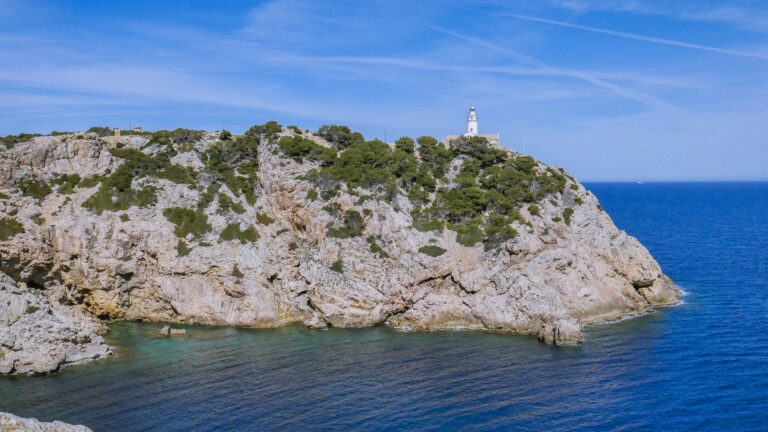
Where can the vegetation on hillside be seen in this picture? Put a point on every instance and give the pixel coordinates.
(9, 227)
(469, 187)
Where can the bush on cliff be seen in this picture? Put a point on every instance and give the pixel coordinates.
(433, 251)
(298, 148)
(340, 136)
(11, 140)
(354, 224)
(232, 231)
(67, 183)
(37, 189)
(9, 227)
(567, 213)
(187, 221)
(101, 131)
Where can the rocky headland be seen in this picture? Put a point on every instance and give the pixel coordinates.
(280, 225)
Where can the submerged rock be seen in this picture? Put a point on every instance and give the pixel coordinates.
(10, 422)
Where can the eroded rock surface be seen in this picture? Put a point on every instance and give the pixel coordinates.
(37, 335)
(551, 279)
(10, 422)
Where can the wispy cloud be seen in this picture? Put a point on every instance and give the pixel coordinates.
(647, 100)
(639, 37)
(749, 15)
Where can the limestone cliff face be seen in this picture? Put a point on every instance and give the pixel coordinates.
(38, 335)
(550, 279)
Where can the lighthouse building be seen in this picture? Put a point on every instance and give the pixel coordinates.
(472, 130)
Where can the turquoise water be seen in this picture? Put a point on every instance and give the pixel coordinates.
(702, 365)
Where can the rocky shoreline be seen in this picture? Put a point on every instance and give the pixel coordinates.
(10, 422)
(276, 240)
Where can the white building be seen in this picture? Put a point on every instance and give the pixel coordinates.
(473, 130)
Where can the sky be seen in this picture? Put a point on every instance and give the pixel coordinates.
(610, 90)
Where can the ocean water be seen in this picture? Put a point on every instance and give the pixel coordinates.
(702, 365)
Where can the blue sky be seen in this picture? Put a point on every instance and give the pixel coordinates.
(610, 90)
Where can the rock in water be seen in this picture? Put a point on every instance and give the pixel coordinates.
(10, 422)
(38, 336)
(279, 226)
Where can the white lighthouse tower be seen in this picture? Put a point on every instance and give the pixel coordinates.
(472, 131)
(471, 122)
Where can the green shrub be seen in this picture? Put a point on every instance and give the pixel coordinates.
(67, 183)
(90, 182)
(298, 148)
(469, 235)
(124, 217)
(187, 221)
(498, 231)
(38, 218)
(281, 231)
(340, 136)
(102, 131)
(567, 213)
(337, 266)
(328, 194)
(226, 204)
(11, 140)
(9, 227)
(556, 219)
(405, 144)
(269, 130)
(363, 199)
(37, 189)
(110, 199)
(235, 163)
(578, 200)
(182, 249)
(574, 187)
(237, 208)
(295, 129)
(4, 196)
(533, 209)
(264, 219)
(375, 248)
(236, 272)
(312, 194)
(427, 220)
(433, 251)
(232, 231)
(31, 309)
(418, 195)
(225, 135)
(340, 232)
(354, 222)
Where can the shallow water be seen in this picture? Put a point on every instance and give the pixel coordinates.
(698, 366)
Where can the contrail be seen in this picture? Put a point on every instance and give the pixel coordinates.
(636, 36)
(647, 100)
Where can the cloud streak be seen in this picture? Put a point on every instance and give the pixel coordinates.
(647, 100)
(639, 37)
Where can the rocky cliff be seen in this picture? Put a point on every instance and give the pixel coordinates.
(281, 225)
(10, 422)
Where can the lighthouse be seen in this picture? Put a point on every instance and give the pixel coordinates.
(471, 122)
(472, 131)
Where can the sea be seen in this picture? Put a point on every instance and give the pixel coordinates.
(699, 366)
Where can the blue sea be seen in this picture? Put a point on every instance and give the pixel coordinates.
(699, 366)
